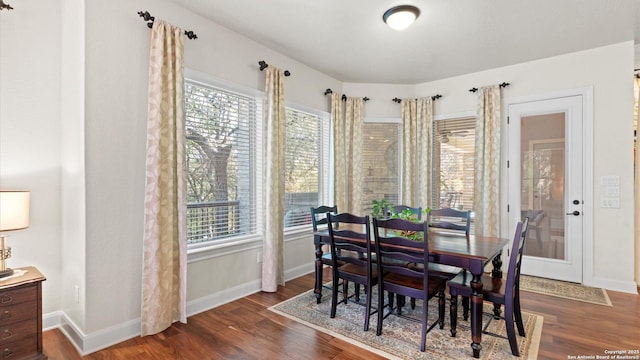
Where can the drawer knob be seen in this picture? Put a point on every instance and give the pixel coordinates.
(6, 299)
(7, 334)
(7, 353)
(6, 315)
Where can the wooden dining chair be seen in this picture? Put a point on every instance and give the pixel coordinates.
(497, 290)
(349, 242)
(319, 218)
(450, 219)
(392, 243)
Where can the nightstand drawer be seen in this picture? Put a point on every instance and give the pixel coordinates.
(19, 350)
(16, 296)
(18, 331)
(18, 312)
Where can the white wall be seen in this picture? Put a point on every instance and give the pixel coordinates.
(30, 147)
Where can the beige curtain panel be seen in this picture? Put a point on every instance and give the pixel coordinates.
(417, 125)
(486, 202)
(348, 121)
(164, 281)
(274, 165)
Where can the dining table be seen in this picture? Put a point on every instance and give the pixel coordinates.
(470, 252)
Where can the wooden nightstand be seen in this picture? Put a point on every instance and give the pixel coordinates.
(21, 315)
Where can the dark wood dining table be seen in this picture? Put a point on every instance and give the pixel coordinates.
(471, 252)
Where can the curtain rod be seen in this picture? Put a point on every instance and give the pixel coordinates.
(344, 97)
(504, 84)
(4, 5)
(434, 97)
(263, 65)
(150, 19)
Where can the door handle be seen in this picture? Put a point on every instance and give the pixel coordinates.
(575, 213)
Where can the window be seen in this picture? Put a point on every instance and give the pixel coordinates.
(381, 147)
(453, 163)
(220, 161)
(303, 155)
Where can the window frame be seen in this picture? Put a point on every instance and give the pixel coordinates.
(324, 162)
(219, 247)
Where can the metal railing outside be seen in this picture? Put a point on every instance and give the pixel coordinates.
(213, 220)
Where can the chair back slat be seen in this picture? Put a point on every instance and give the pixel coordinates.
(450, 219)
(319, 215)
(349, 245)
(393, 247)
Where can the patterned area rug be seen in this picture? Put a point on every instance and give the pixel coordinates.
(565, 290)
(400, 338)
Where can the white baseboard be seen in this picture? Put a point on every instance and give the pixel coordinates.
(98, 340)
(615, 285)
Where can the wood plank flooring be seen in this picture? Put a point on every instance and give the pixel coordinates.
(245, 329)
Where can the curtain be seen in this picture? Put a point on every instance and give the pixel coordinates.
(486, 202)
(417, 125)
(348, 123)
(274, 165)
(164, 282)
(339, 162)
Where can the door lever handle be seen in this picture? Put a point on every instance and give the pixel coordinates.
(575, 213)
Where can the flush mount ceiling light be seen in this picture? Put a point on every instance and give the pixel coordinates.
(400, 17)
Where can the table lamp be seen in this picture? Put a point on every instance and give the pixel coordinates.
(14, 215)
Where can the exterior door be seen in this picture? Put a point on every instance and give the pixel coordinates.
(546, 185)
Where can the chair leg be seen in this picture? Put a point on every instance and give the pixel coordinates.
(367, 309)
(511, 332)
(345, 291)
(465, 308)
(518, 315)
(400, 300)
(453, 314)
(357, 290)
(496, 311)
(391, 302)
(413, 303)
(441, 309)
(425, 324)
(380, 309)
(334, 297)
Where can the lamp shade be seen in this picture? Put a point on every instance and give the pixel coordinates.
(14, 210)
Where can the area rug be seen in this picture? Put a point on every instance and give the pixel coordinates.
(400, 338)
(566, 290)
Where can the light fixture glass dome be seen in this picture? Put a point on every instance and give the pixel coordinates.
(401, 17)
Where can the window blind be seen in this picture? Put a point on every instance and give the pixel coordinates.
(220, 152)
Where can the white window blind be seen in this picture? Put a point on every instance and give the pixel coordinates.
(220, 162)
(303, 151)
(453, 163)
(381, 163)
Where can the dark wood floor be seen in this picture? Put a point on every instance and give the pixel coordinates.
(245, 329)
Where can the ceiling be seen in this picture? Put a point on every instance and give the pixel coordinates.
(348, 40)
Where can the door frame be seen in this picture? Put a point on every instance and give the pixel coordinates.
(587, 171)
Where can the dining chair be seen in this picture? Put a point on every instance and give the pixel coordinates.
(392, 242)
(319, 218)
(347, 246)
(499, 291)
(451, 219)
